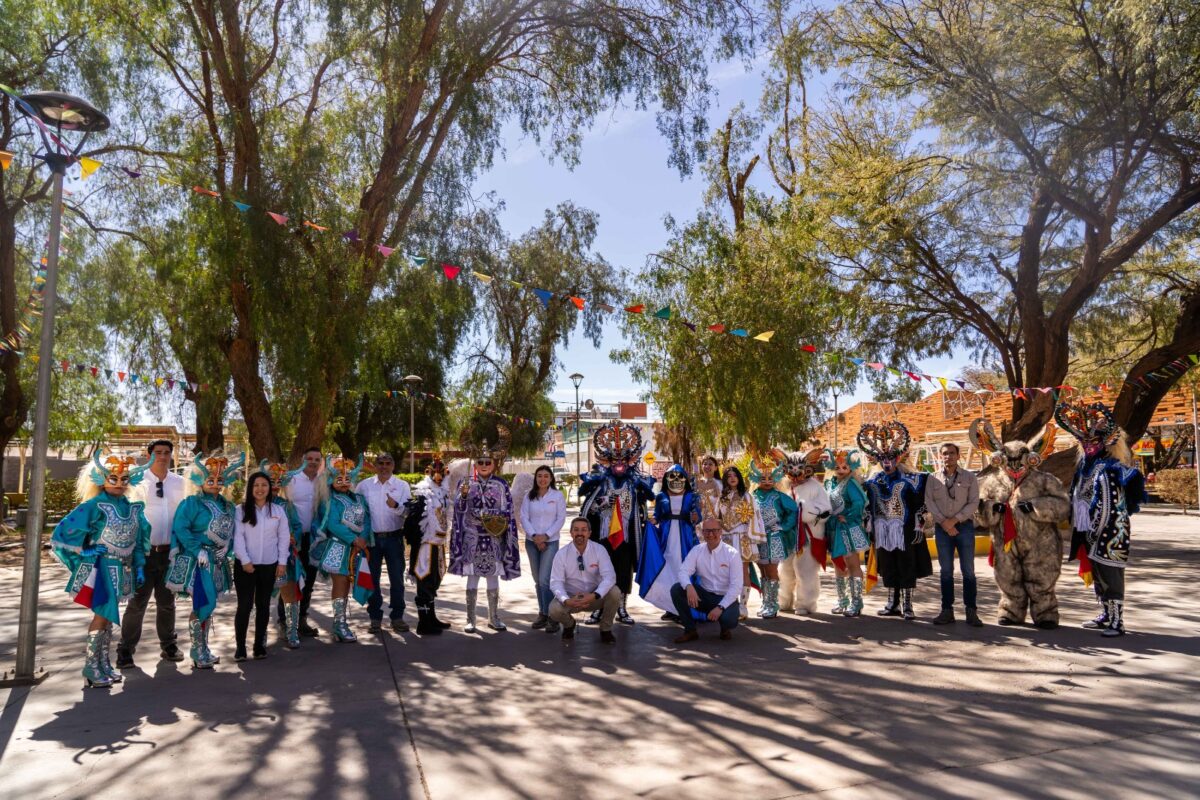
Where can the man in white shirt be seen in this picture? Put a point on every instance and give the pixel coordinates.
(162, 491)
(302, 491)
(718, 568)
(582, 578)
(386, 495)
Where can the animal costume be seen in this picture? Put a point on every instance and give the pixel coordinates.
(614, 503)
(778, 513)
(1021, 507)
(1104, 493)
(344, 517)
(800, 573)
(895, 501)
(103, 543)
(847, 535)
(201, 538)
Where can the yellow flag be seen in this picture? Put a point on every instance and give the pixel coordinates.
(5, 159)
(942, 381)
(765, 336)
(482, 277)
(87, 166)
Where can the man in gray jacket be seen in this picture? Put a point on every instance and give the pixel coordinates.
(951, 496)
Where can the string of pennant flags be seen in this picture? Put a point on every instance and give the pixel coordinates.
(452, 272)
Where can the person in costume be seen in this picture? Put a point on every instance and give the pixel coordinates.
(483, 543)
(342, 542)
(201, 541)
(844, 531)
(1020, 507)
(1105, 491)
(303, 490)
(430, 514)
(291, 587)
(103, 543)
(669, 538)
(614, 503)
(778, 512)
(708, 488)
(741, 528)
(895, 500)
(800, 573)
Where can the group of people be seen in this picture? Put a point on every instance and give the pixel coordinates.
(178, 537)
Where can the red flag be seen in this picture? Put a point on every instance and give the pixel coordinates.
(639, 308)
(577, 302)
(1085, 565)
(616, 526)
(819, 550)
(451, 271)
(280, 219)
(808, 348)
(717, 328)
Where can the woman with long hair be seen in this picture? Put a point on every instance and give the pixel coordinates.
(542, 518)
(103, 542)
(261, 543)
(741, 526)
(845, 532)
(341, 539)
(201, 538)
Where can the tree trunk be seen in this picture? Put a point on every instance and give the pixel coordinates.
(14, 403)
(251, 396)
(1138, 399)
(210, 413)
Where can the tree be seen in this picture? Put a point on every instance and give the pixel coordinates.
(312, 111)
(518, 333)
(1039, 148)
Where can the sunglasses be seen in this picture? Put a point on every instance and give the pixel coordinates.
(158, 488)
(487, 462)
(579, 561)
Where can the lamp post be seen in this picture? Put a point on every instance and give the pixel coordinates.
(577, 379)
(63, 112)
(1196, 445)
(412, 381)
(836, 391)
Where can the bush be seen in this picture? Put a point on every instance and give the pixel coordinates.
(60, 496)
(1177, 485)
(411, 478)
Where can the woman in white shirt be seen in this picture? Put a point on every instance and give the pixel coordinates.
(261, 540)
(542, 517)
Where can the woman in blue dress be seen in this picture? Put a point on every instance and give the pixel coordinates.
(103, 542)
(341, 539)
(844, 531)
(201, 538)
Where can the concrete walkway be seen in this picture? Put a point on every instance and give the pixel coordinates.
(818, 706)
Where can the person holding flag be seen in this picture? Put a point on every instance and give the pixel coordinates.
(844, 531)
(103, 543)
(742, 529)
(342, 541)
(201, 538)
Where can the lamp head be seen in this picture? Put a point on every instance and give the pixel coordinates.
(65, 111)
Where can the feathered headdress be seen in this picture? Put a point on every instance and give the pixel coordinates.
(279, 474)
(344, 468)
(797, 462)
(885, 440)
(769, 465)
(832, 459)
(215, 465)
(616, 442)
(118, 465)
(497, 452)
(1090, 424)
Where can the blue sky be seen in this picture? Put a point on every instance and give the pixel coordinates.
(623, 176)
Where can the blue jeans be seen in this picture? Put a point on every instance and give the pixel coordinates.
(708, 601)
(964, 543)
(540, 562)
(388, 548)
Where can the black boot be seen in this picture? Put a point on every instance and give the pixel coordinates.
(892, 609)
(908, 609)
(433, 617)
(425, 624)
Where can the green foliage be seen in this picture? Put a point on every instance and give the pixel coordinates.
(60, 496)
(1176, 485)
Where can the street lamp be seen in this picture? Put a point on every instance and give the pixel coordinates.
(836, 391)
(412, 381)
(63, 112)
(576, 379)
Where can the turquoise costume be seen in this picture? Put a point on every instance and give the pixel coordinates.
(341, 518)
(201, 538)
(294, 571)
(779, 514)
(849, 536)
(104, 542)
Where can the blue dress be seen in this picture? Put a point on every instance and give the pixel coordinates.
(203, 522)
(119, 525)
(849, 536)
(294, 572)
(343, 518)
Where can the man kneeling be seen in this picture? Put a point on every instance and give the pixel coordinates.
(718, 567)
(582, 578)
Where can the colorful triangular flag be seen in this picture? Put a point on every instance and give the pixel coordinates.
(280, 219)
(87, 166)
(451, 271)
(765, 336)
(243, 207)
(544, 296)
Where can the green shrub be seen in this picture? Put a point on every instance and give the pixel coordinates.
(60, 496)
(1176, 485)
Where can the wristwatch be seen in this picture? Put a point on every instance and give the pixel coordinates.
(597, 595)
(722, 608)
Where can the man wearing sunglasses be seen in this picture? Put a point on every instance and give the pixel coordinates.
(162, 491)
(582, 578)
(718, 570)
(386, 495)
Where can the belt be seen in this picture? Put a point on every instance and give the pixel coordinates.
(160, 548)
(385, 533)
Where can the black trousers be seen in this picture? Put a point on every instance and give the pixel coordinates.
(310, 580)
(1109, 581)
(157, 564)
(253, 592)
(427, 587)
(624, 560)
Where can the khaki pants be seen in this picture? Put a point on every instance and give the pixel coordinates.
(608, 606)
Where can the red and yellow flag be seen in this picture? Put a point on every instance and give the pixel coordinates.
(616, 526)
(872, 571)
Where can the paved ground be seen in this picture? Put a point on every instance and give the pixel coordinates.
(826, 706)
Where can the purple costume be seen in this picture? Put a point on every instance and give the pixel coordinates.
(473, 549)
